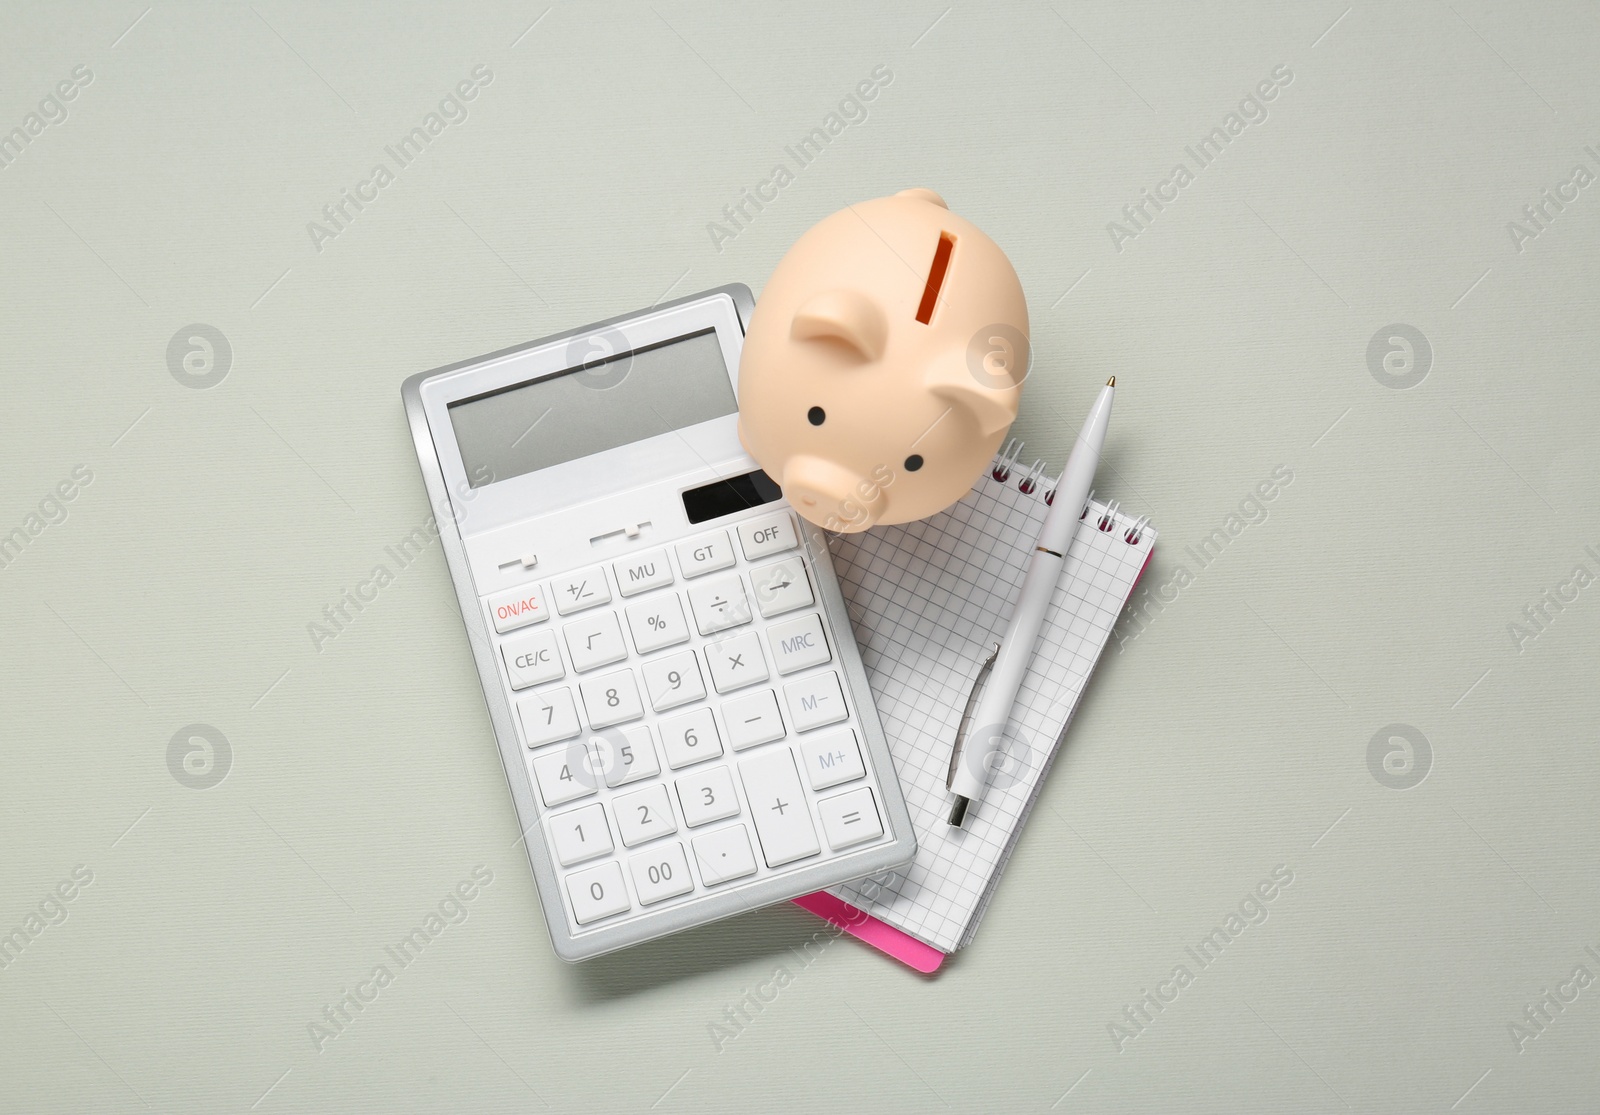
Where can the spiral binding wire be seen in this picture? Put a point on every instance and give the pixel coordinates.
(1008, 460)
(1007, 463)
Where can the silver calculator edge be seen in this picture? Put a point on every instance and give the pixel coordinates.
(718, 905)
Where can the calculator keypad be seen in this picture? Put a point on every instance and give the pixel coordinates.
(675, 720)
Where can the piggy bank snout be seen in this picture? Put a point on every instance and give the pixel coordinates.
(832, 496)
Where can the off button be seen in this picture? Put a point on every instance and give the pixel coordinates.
(770, 534)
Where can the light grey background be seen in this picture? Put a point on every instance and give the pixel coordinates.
(1229, 734)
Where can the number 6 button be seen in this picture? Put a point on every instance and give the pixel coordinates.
(660, 874)
(644, 815)
(597, 893)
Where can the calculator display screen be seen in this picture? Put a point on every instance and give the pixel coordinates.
(605, 402)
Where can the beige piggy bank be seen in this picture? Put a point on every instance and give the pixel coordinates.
(884, 363)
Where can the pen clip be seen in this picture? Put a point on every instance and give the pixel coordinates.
(963, 727)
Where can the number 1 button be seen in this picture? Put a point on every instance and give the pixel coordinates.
(597, 893)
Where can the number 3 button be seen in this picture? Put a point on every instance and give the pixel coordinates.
(660, 874)
(597, 893)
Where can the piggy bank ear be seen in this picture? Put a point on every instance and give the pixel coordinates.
(846, 316)
(922, 193)
(994, 408)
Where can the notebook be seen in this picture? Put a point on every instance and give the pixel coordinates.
(928, 601)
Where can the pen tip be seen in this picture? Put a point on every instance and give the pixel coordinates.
(958, 811)
(1112, 382)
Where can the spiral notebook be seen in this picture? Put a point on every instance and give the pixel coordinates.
(928, 601)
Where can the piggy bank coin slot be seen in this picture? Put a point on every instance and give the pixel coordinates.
(936, 274)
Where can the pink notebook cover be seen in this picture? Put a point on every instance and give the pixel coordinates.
(886, 938)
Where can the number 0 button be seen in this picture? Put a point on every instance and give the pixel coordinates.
(661, 873)
(597, 893)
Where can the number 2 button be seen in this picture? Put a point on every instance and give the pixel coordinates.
(644, 815)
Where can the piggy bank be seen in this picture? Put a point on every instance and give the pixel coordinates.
(883, 363)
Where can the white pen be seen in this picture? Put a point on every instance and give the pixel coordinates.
(969, 763)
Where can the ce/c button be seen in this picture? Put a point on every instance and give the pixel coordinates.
(532, 658)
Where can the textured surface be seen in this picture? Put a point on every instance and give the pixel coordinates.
(1227, 733)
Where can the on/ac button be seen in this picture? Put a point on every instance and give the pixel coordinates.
(517, 608)
(769, 534)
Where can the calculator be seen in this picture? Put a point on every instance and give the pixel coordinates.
(675, 691)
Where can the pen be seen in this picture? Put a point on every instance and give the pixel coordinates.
(968, 769)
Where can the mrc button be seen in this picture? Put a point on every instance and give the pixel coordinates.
(517, 608)
(769, 534)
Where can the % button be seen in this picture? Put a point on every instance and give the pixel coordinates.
(657, 623)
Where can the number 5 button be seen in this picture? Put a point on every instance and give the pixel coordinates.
(597, 893)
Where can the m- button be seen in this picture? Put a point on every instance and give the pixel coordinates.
(769, 534)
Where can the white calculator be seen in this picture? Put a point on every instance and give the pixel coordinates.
(677, 696)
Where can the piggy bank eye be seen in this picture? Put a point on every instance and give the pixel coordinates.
(817, 416)
(913, 462)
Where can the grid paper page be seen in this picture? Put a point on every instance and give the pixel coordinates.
(928, 601)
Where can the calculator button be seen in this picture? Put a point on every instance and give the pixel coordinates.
(778, 807)
(705, 554)
(815, 701)
(582, 589)
(660, 874)
(644, 815)
(782, 586)
(724, 855)
(597, 893)
(752, 720)
(769, 534)
(548, 716)
(674, 680)
(798, 643)
(719, 605)
(736, 662)
(532, 658)
(611, 699)
(657, 623)
(580, 834)
(595, 641)
(832, 759)
(690, 738)
(707, 795)
(517, 608)
(850, 819)
(625, 754)
(642, 571)
(565, 774)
